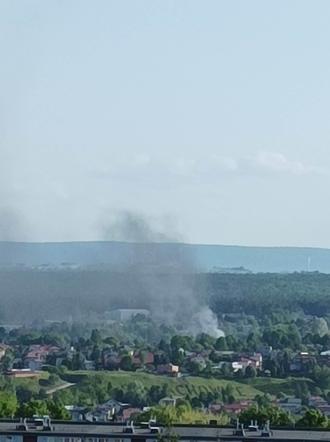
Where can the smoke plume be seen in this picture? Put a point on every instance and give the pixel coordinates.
(165, 274)
(12, 227)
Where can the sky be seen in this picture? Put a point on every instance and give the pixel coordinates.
(209, 118)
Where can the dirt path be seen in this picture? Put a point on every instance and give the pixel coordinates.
(59, 387)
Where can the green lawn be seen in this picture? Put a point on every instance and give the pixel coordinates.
(275, 386)
(34, 385)
(188, 386)
(31, 383)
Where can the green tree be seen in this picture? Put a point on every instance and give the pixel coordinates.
(96, 337)
(313, 418)
(7, 360)
(168, 435)
(33, 407)
(126, 363)
(57, 410)
(111, 341)
(206, 340)
(8, 404)
(250, 372)
(275, 415)
(221, 344)
(321, 376)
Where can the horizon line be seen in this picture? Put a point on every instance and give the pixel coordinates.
(169, 242)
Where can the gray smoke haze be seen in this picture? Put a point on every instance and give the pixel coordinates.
(133, 227)
(12, 226)
(157, 272)
(165, 274)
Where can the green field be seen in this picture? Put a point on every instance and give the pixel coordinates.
(274, 386)
(35, 384)
(188, 386)
(31, 383)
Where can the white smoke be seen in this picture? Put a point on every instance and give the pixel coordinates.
(205, 321)
(166, 275)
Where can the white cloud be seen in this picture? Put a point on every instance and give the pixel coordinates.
(168, 170)
(226, 163)
(262, 162)
(265, 162)
(184, 166)
(278, 162)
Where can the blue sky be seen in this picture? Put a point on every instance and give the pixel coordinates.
(210, 118)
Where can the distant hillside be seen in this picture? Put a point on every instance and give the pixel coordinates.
(202, 257)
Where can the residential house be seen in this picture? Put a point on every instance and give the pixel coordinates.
(215, 408)
(320, 404)
(36, 356)
(168, 369)
(169, 401)
(237, 365)
(143, 359)
(106, 412)
(302, 362)
(254, 360)
(22, 373)
(324, 358)
(127, 414)
(89, 365)
(236, 407)
(290, 405)
(76, 413)
(126, 314)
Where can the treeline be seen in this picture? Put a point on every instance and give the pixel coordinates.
(265, 293)
(57, 294)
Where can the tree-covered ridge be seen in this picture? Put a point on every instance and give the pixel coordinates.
(54, 294)
(265, 293)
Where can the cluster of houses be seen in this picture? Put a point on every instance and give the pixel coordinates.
(236, 362)
(35, 356)
(295, 405)
(110, 411)
(116, 411)
(290, 404)
(303, 361)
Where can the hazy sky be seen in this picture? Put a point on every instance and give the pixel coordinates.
(209, 116)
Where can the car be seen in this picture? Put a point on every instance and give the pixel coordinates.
(154, 430)
(253, 428)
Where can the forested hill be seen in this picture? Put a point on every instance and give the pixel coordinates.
(202, 257)
(31, 294)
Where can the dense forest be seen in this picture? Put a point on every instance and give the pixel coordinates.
(60, 294)
(263, 293)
